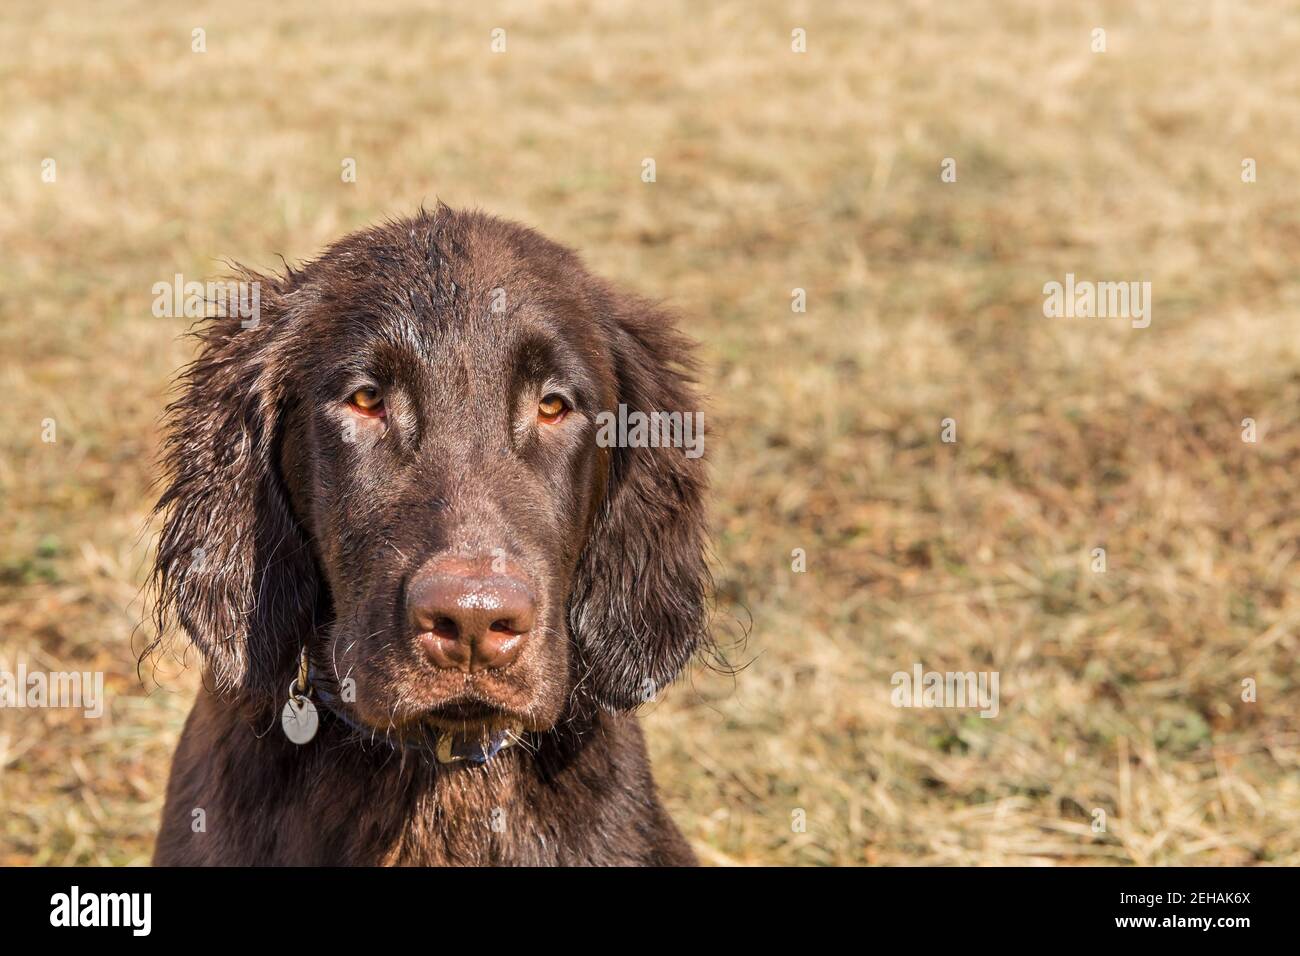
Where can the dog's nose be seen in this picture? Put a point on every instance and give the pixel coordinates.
(468, 616)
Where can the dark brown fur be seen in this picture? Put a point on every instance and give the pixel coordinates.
(282, 533)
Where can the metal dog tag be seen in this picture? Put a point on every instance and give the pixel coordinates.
(299, 720)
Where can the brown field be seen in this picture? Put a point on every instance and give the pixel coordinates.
(1120, 691)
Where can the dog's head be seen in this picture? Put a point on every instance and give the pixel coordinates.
(403, 462)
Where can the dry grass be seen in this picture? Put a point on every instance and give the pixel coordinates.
(1120, 691)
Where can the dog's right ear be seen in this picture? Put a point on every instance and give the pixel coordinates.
(233, 569)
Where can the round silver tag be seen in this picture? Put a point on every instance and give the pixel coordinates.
(299, 720)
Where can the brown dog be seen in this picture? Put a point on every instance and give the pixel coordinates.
(389, 519)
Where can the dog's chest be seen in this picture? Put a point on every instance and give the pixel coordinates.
(474, 817)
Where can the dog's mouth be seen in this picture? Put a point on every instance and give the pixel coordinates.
(472, 717)
(468, 716)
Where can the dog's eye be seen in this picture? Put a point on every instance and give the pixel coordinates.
(368, 401)
(551, 409)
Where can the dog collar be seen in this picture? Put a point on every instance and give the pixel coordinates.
(455, 747)
(450, 747)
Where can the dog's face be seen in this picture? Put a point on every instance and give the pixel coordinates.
(441, 454)
(397, 466)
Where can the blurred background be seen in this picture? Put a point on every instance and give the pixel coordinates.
(775, 170)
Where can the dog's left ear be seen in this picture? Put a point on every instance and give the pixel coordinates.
(640, 602)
